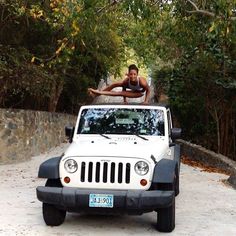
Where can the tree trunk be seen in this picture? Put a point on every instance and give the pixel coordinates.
(56, 90)
(226, 131)
(218, 131)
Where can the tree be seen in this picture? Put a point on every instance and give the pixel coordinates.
(203, 77)
(66, 39)
(53, 50)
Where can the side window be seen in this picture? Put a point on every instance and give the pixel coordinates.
(169, 121)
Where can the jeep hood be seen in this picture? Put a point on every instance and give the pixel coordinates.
(127, 146)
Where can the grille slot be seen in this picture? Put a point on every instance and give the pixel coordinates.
(105, 172)
(127, 176)
(82, 177)
(120, 170)
(90, 172)
(97, 172)
(112, 172)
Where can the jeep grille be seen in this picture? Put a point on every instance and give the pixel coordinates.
(105, 172)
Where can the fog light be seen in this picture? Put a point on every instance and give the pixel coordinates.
(67, 180)
(143, 182)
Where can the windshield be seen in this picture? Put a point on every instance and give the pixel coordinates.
(122, 121)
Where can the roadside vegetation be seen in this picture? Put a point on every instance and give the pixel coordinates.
(51, 51)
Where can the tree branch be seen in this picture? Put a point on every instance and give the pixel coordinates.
(204, 12)
(112, 3)
(194, 5)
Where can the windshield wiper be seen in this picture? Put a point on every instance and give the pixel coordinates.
(103, 135)
(141, 137)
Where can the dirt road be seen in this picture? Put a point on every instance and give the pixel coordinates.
(205, 206)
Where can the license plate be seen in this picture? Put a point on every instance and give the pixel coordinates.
(100, 200)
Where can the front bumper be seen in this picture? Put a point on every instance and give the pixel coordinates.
(125, 201)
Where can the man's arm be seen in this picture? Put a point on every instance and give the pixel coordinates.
(146, 87)
(125, 99)
(124, 84)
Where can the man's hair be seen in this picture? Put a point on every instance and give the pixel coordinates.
(133, 67)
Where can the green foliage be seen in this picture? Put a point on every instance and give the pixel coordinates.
(64, 39)
(202, 83)
(16, 79)
(53, 50)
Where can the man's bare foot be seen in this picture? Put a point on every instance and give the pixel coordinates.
(93, 92)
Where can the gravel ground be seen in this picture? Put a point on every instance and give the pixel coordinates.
(205, 206)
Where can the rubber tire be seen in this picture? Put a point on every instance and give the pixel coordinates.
(52, 215)
(166, 218)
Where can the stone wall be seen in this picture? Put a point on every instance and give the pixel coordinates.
(209, 158)
(25, 133)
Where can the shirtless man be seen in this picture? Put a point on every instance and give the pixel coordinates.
(136, 86)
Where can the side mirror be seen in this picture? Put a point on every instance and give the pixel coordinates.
(175, 133)
(69, 131)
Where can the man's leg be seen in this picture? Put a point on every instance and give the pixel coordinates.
(129, 94)
(94, 92)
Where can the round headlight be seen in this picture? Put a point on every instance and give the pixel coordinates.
(141, 168)
(71, 166)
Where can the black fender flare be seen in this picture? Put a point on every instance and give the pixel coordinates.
(177, 155)
(165, 172)
(50, 169)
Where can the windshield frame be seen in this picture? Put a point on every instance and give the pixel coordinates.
(141, 109)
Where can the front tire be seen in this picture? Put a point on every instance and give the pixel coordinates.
(166, 218)
(51, 214)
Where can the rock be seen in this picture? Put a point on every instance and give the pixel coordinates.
(12, 125)
(232, 180)
(6, 134)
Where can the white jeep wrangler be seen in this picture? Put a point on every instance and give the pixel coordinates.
(122, 159)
